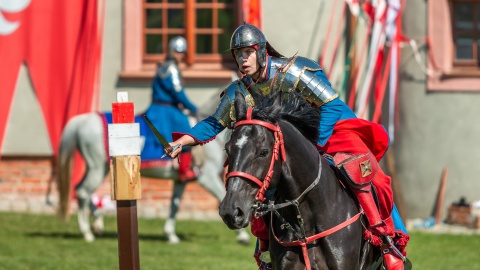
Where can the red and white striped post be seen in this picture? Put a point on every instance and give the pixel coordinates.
(124, 149)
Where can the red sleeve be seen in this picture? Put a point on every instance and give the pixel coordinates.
(259, 229)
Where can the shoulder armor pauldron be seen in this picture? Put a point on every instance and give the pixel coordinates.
(170, 69)
(225, 112)
(299, 73)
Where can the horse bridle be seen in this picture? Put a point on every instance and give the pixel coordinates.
(278, 148)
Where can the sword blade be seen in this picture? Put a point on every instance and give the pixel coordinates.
(159, 136)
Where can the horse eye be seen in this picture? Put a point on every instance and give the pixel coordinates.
(263, 153)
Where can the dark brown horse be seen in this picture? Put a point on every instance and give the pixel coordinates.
(314, 222)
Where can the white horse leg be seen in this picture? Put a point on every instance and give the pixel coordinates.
(243, 237)
(84, 223)
(92, 149)
(169, 228)
(211, 170)
(98, 223)
(211, 179)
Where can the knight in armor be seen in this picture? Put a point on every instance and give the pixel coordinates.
(355, 145)
(168, 101)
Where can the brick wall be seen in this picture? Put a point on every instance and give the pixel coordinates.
(464, 216)
(24, 182)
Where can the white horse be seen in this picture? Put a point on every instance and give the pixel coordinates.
(85, 133)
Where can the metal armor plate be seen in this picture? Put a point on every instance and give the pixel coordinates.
(299, 73)
(170, 69)
(225, 112)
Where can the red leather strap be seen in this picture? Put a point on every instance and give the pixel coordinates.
(313, 237)
(247, 176)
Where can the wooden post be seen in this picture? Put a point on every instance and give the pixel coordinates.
(437, 208)
(190, 21)
(124, 150)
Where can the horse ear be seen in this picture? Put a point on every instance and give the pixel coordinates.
(240, 106)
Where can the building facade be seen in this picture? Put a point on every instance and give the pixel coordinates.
(436, 112)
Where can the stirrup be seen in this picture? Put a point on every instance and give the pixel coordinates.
(390, 246)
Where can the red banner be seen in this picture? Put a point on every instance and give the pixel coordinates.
(60, 43)
(252, 12)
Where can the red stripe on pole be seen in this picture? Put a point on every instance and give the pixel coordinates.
(327, 37)
(337, 40)
(363, 51)
(382, 89)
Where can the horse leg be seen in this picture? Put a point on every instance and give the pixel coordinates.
(211, 170)
(98, 223)
(169, 227)
(211, 179)
(92, 149)
(92, 180)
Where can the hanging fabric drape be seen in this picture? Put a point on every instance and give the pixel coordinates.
(252, 12)
(375, 51)
(336, 43)
(394, 31)
(323, 53)
(60, 43)
(331, 48)
(357, 11)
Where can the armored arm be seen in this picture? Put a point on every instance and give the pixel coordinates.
(306, 77)
(225, 112)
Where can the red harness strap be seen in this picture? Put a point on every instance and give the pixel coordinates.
(312, 238)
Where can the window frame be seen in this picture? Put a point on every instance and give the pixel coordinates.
(199, 68)
(448, 76)
(474, 62)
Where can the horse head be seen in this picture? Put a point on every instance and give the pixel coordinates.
(256, 152)
(249, 152)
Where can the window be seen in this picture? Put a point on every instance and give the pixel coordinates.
(465, 18)
(206, 24)
(454, 34)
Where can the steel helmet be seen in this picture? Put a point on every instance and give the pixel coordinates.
(247, 35)
(177, 44)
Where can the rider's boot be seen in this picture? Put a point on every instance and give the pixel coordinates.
(185, 171)
(360, 171)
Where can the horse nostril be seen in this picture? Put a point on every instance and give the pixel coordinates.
(239, 215)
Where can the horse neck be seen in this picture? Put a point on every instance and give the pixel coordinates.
(302, 165)
(300, 171)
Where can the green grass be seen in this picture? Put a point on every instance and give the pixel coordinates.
(430, 251)
(43, 242)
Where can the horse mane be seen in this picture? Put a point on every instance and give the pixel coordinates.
(290, 107)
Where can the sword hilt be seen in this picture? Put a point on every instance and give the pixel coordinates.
(172, 149)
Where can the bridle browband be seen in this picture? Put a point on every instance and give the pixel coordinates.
(277, 147)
